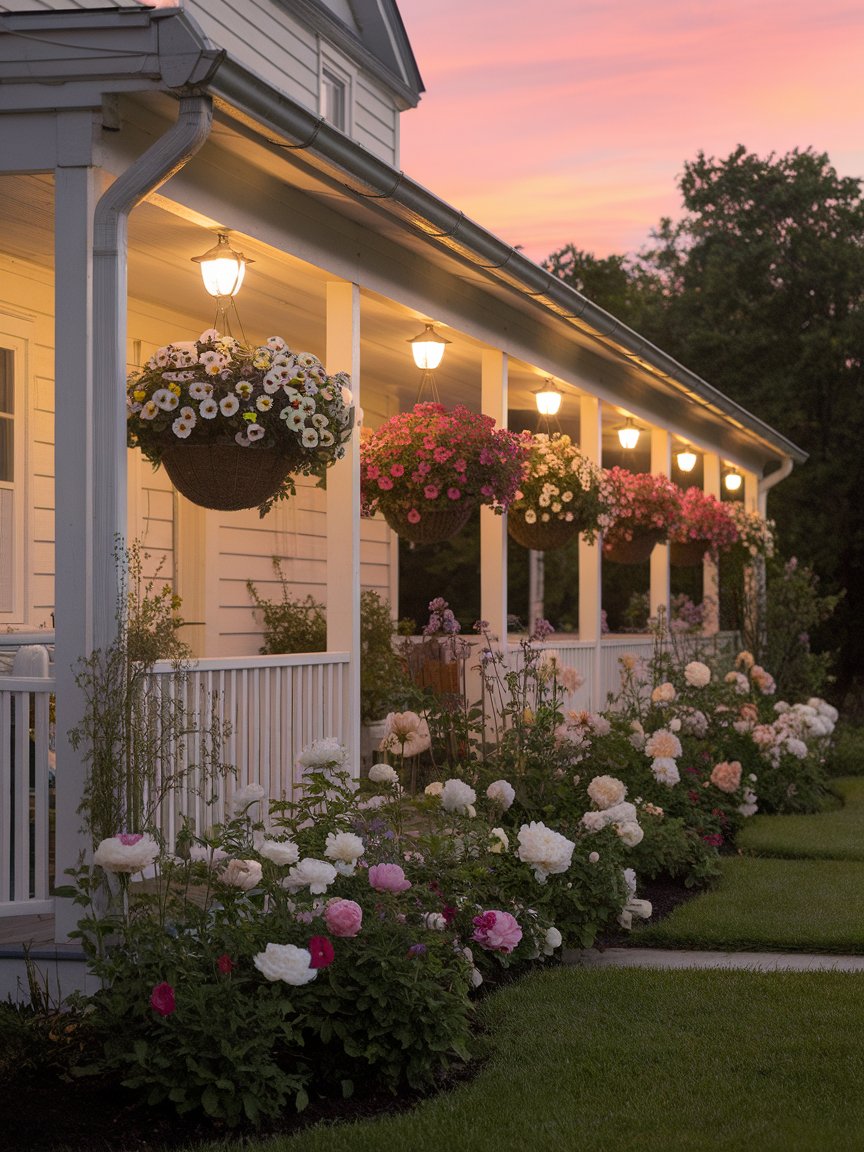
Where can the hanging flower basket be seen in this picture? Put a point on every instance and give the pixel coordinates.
(634, 551)
(427, 470)
(543, 535)
(689, 554)
(434, 527)
(233, 425)
(561, 493)
(225, 476)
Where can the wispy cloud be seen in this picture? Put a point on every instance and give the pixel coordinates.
(555, 122)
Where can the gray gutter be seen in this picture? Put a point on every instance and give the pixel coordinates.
(365, 176)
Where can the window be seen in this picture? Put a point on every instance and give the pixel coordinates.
(14, 542)
(336, 96)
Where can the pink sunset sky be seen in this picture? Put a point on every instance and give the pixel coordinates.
(564, 121)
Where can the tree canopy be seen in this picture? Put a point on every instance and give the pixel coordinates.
(759, 288)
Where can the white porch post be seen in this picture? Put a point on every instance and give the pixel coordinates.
(493, 529)
(710, 569)
(661, 465)
(77, 191)
(590, 555)
(343, 505)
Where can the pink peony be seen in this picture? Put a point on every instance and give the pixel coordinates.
(388, 878)
(497, 931)
(162, 999)
(726, 775)
(343, 917)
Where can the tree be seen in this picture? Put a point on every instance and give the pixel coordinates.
(759, 288)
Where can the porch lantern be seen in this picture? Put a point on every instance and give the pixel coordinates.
(548, 399)
(628, 434)
(222, 268)
(686, 459)
(733, 480)
(428, 349)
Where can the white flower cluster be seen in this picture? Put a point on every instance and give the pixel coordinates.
(548, 852)
(458, 797)
(127, 852)
(797, 729)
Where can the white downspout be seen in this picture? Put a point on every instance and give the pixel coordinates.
(110, 258)
(761, 580)
(768, 482)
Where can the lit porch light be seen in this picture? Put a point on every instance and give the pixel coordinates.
(686, 459)
(428, 349)
(628, 434)
(733, 480)
(548, 399)
(222, 269)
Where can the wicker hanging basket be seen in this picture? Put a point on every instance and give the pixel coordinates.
(689, 554)
(226, 476)
(635, 551)
(434, 526)
(541, 536)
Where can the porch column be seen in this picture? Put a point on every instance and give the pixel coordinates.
(343, 507)
(710, 569)
(77, 190)
(590, 555)
(661, 465)
(755, 591)
(493, 529)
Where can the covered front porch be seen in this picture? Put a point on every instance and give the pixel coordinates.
(105, 204)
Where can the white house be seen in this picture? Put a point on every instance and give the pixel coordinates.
(130, 135)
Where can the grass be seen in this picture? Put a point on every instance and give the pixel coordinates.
(620, 1060)
(769, 904)
(837, 834)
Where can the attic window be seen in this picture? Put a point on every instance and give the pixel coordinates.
(334, 97)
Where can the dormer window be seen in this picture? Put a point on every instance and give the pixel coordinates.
(336, 95)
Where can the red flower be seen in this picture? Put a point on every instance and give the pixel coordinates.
(321, 951)
(162, 999)
(225, 964)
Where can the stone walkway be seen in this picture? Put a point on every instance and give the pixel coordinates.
(679, 958)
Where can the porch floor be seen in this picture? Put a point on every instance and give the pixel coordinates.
(26, 930)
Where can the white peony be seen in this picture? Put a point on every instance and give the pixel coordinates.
(344, 849)
(664, 744)
(502, 793)
(244, 798)
(594, 821)
(287, 963)
(697, 674)
(279, 851)
(435, 921)
(630, 833)
(383, 774)
(326, 752)
(243, 874)
(549, 853)
(551, 941)
(127, 852)
(434, 789)
(317, 875)
(665, 771)
(499, 841)
(457, 796)
(663, 694)
(606, 791)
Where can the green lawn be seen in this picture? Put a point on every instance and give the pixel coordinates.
(785, 905)
(645, 1061)
(837, 834)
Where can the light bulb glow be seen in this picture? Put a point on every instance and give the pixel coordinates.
(733, 480)
(548, 399)
(428, 349)
(686, 459)
(628, 435)
(222, 269)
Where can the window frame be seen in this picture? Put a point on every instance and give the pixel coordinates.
(339, 72)
(16, 336)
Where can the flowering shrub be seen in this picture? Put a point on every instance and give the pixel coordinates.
(643, 502)
(755, 534)
(559, 483)
(214, 390)
(705, 518)
(431, 458)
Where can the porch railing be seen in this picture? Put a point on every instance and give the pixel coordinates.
(26, 795)
(272, 707)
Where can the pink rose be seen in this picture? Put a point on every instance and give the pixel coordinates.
(726, 775)
(343, 917)
(388, 878)
(497, 931)
(413, 516)
(162, 999)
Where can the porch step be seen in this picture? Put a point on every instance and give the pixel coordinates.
(59, 969)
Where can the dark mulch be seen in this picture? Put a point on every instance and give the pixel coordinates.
(42, 1112)
(664, 895)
